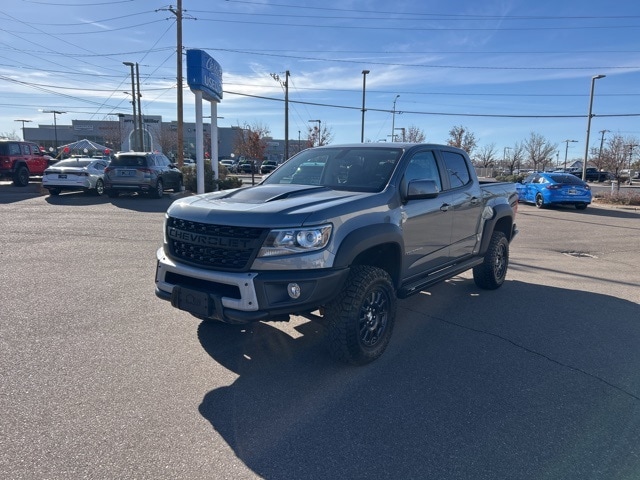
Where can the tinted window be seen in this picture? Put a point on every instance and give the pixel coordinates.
(25, 149)
(129, 161)
(423, 166)
(4, 148)
(14, 149)
(457, 170)
(73, 162)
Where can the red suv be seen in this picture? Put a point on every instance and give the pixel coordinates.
(20, 160)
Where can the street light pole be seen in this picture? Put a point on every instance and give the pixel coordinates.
(566, 151)
(364, 88)
(55, 124)
(586, 147)
(133, 102)
(393, 120)
(23, 122)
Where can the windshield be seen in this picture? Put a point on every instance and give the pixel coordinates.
(344, 168)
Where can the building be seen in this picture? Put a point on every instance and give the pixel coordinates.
(118, 135)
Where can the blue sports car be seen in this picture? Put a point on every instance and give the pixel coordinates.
(546, 189)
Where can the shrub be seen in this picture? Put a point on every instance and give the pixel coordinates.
(224, 182)
(629, 198)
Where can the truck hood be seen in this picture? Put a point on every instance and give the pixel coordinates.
(258, 205)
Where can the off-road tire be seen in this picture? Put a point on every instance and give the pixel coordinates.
(359, 322)
(491, 273)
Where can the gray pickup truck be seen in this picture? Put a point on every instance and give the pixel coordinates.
(337, 233)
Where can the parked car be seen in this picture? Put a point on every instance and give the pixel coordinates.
(247, 166)
(545, 189)
(21, 160)
(84, 174)
(144, 172)
(268, 166)
(592, 174)
(230, 165)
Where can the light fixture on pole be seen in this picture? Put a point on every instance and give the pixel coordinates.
(364, 89)
(23, 122)
(566, 151)
(393, 119)
(586, 147)
(55, 124)
(133, 102)
(319, 126)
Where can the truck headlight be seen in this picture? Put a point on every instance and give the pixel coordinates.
(289, 241)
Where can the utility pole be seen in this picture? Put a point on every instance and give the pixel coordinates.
(601, 144)
(286, 115)
(133, 137)
(140, 120)
(631, 146)
(178, 13)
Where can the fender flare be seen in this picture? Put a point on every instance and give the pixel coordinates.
(500, 211)
(365, 238)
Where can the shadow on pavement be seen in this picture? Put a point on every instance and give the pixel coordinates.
(545, 387)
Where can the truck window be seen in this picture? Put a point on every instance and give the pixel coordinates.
(456, 169)
(423, 166)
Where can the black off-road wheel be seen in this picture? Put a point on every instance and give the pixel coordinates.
(360, 320)
(491, 273)
(21, 176)
(540, 201)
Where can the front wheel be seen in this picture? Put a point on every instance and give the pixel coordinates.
(490, 274)
(159, 191)
(360, 320)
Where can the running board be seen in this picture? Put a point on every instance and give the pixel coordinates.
(451, 271)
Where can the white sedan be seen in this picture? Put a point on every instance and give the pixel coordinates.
(84, 174)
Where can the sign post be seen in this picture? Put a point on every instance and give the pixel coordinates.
(204, 77)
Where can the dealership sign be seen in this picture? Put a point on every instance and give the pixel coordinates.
(204, 74)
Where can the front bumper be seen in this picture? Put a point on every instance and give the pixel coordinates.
(244, 297)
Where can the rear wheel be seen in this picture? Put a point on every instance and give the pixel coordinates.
(54, 191)
(21, 176)
(581, 206)
(112, 193)
(179, 186)
(360, 320)
(99, 187)
(490, 274)
(539, 201)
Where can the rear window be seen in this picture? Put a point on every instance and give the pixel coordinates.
(73, 162)
(566, 178)
(9, 149)
(129, 161)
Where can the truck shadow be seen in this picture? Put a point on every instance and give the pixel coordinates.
(465, 390)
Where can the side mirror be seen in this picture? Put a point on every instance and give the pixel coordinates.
(418, 189)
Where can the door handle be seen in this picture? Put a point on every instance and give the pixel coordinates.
(475, 201)
(445, 207)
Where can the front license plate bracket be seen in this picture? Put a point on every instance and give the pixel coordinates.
(193, 301)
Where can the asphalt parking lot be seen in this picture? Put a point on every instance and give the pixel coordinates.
(100, 379)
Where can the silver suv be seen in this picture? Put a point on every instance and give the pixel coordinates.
(151, 173)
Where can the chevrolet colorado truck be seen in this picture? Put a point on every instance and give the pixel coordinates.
(337, 233)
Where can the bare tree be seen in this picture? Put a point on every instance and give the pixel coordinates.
(10, 135)
(539, 150)
(167, 137)
(251, 141)
(516, 159)
(413, 134)
(616, 153)
(317, 137)
(462, 138)
(486, 156)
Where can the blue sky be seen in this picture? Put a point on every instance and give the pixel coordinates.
(502, 69)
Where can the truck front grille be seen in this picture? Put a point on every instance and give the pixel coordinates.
(221, 247)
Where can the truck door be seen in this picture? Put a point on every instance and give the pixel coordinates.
(426, 224)
(465, 201)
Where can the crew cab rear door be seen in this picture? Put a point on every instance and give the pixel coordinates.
(464, 198)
